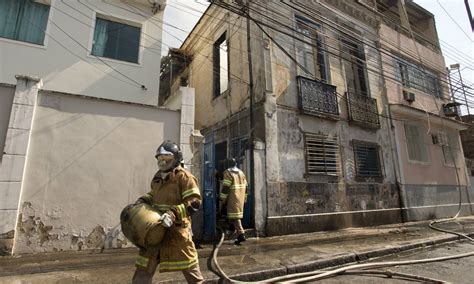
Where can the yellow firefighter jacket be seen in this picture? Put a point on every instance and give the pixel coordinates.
(177, 251)
(233, 192)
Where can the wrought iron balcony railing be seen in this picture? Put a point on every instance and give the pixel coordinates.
(317, 98)
(363, 110)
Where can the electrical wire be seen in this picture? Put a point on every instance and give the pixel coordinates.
(383, 264)
(307, 71)
(460, 28)
(75, 54)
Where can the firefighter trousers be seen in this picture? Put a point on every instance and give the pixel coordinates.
(145, 275)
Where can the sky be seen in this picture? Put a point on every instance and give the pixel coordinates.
(452, 24)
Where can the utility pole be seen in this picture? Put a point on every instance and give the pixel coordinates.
(468, 9)
(463, 91)
(458, 67)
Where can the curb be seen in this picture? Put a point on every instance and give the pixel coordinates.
(336, 261)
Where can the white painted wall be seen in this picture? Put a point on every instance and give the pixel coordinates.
(86, 161)
(64, 62)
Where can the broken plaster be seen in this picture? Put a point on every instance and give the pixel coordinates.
(38, 234)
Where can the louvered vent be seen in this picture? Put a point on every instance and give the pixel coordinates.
(322, 154)
(367, 160)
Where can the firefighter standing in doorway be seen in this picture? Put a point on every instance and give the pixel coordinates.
(174, 194)
(233, 196)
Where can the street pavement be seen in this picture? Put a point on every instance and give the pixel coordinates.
(258, 259)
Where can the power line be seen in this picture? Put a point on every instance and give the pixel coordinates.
(460, 28)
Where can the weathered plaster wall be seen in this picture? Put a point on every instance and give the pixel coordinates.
(87, 160)
(435, 171)
(393, 44)
(210, 109)
(431, 201)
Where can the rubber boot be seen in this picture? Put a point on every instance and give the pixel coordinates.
(240, 239)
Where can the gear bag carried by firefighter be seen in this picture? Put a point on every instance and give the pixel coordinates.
(174, 196)
(233, 197)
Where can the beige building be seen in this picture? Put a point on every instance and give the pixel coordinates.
(347, 123)
(79, 119)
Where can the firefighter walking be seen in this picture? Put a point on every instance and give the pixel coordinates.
(233, 196)
(175, 197)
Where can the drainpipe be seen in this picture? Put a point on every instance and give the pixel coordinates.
(251, 94)
(391, 137)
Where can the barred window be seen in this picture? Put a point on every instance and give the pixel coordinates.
(322, 154)
(367, 159)
(414, 78)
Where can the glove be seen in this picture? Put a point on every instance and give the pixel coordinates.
(167, 219)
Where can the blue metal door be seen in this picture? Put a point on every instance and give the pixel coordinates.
(209, 198)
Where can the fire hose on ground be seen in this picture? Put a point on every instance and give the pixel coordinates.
(349, 270)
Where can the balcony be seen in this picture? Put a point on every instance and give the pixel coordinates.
(363, 110)
(316, 98)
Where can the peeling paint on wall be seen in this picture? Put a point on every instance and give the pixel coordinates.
(37, 234)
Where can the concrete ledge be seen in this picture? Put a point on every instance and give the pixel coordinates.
(329, 222)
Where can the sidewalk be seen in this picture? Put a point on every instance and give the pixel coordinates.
(257, 259)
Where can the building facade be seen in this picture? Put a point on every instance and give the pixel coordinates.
(79, 119)
(328, 115)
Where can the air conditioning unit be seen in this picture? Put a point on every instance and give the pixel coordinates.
(408, 96)
(451, 109)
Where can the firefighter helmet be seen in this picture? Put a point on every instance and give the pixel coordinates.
(170, 148)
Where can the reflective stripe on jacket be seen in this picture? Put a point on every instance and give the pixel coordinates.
(233, 192)
(177, 251)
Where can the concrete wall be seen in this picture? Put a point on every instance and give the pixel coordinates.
(87, 159)
(428, 202)
(65, 63)
(435, 171)
(6, 100)
(12, 168)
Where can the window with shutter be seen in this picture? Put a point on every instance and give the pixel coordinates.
(322, 154)
(367, 159)
(451, 149)
(417, 147)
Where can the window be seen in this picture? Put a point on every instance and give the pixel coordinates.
(310, 53)
(451, 149)
(23, 20)
(221, 66)
(322, 154)
(412, 77)
(238, 147)
(354, 67)
(116, 41)
(416, 145)
(367, 160)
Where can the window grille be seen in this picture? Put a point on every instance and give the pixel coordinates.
(367, 159)
(322, 154)
(414, 78)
